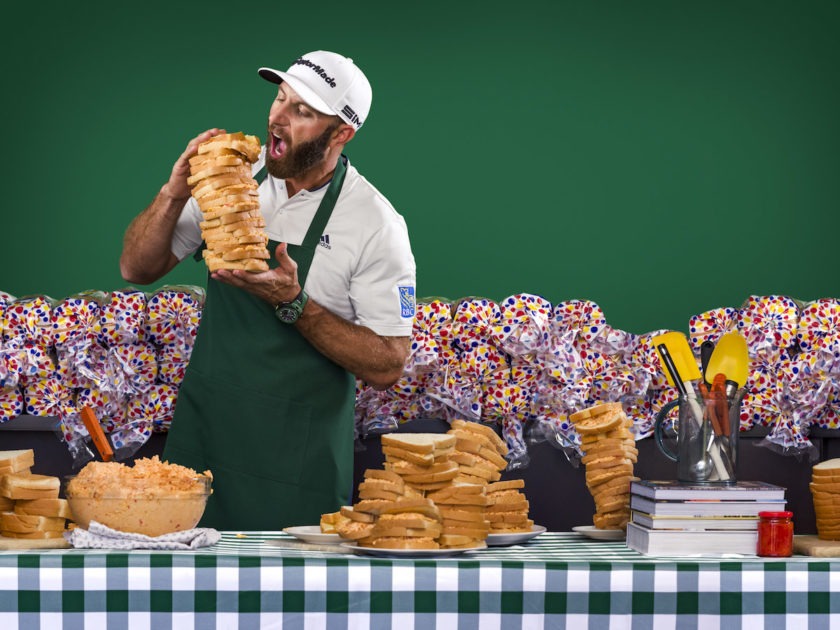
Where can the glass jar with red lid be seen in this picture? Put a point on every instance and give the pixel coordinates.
(775, 534)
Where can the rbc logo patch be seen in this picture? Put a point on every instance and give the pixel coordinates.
(406, 301)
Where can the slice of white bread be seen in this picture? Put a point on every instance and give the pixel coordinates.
(483, 430)
(393, 542)
(509, 484)
(421, 506)
(44, 507)
(353, 530)
(6, 504)
(39, 534)
(12, 522)
(28, 486)
(424, 443)
(828, 468)
(249, 146)
(16, 461)
(402, 467)
(355, 515)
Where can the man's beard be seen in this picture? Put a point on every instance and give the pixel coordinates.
(299, 159)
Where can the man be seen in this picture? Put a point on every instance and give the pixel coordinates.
(267, 402)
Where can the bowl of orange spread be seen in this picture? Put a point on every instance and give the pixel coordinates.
(152, 497)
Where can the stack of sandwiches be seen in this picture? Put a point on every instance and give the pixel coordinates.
(227, 195)
(609, 447)
(439, 484)
(29, 503)
(507, 507)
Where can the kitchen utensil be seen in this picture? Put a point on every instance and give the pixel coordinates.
(681, 355)
(96, 434)
(730, 357)
(706, 349)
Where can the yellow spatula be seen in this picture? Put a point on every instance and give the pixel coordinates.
(677, 346)
(731, 359)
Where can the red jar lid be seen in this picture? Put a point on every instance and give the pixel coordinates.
(775, 514)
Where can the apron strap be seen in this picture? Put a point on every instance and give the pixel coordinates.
(306, 250)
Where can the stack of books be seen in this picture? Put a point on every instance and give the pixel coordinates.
(670, 518)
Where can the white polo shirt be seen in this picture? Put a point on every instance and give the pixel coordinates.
(363, 269)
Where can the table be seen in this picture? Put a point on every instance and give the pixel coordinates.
(558, 580)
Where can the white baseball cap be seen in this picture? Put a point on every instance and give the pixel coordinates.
(329, 83)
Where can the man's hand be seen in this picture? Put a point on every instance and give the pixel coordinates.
(273, 286)
(176, 188)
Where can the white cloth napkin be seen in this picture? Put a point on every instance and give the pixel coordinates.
(98, 536)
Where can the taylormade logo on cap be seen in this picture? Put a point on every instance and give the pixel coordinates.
(329, 83)
(318, 70)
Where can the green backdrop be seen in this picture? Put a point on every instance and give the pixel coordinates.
(659, 158)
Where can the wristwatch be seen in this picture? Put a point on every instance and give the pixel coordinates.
(289, 312)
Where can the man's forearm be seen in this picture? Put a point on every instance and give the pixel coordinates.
(376, 360)
(146, 254)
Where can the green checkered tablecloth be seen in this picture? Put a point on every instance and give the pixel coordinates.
(558, 580)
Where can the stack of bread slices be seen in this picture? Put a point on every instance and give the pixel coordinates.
(439, 484)
(29, 503)
(825, 493)
(507, 509)
(609, 447)
(227, 194)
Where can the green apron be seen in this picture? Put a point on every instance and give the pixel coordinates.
(263, 410)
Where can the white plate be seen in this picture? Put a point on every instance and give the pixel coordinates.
(600, 534)
(312, 534)
(498, 540)
(406, 553)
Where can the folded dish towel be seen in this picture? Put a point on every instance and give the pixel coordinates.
(98, 536)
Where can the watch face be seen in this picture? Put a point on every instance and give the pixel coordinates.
(287, 314)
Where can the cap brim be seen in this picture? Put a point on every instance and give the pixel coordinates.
(309, 96)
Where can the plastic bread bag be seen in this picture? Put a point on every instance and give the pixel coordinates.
(645, 360)
(523, 329)
(552, 425)
(47, 397)
(172, 362)
(710, 326)
(11, 405)
(133, 366)
(74, 318)
(11, 368)
(27, 341)
(72, 431)
(769, 324)
(619, 383)
(73, 322)
(760, 406)
(432, 321)
(28, 319)
(122, 319)
(155, 406)
(469, 354)
(87, 366)
(819, 326)
(38, 363)
(547, 420)
(386, 410)
(173, 314)
(807, 385)
(508, 403)
(108, 407)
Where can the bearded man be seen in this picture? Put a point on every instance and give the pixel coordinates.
(267, 404)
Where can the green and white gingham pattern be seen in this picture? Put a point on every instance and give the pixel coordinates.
(558, 580)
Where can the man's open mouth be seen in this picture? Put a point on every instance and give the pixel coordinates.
(277, 147)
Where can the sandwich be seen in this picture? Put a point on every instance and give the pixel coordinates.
(227, 194)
